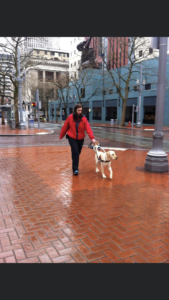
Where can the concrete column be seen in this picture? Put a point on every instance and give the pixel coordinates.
(43, 76)
(54, 77)
(103, 112)
(157, 160)
(54, 111)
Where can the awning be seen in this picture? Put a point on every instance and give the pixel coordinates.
(150, 101)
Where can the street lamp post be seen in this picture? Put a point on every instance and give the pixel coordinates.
(140, 88)
(157, 160)
(19, 79)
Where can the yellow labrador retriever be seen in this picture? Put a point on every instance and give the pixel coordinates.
(104, 158)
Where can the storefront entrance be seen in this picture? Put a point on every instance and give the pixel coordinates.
(129, 108)
(111, 109)
(86, 112)
(129, 114)
(149, 110)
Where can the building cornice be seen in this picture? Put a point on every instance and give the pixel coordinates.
(51, 63)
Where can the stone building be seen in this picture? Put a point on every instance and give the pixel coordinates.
(48, 67)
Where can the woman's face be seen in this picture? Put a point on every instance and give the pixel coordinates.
(79, 111)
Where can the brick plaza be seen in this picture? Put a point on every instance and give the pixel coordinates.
(47, 215)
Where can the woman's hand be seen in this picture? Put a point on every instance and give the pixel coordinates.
(93, 141)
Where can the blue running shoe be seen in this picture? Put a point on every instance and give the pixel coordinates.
(75, 172)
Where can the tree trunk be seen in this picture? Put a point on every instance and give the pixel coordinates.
(56, 117)
(66, 111)
(3, 119)
(48, 111)
(16, 106)
(123, 113)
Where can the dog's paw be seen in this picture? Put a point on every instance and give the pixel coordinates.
(97, 170)
(104, 176)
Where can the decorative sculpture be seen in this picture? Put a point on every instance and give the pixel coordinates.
(88, 55)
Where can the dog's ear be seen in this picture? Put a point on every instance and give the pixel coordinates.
(108, 155)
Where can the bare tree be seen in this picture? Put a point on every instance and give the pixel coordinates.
(62, 84)
(85, 84)
(126, 53)
(10, 46)
(5, 67)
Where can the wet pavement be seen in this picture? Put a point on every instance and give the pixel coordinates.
(110, 137)
(47, 215)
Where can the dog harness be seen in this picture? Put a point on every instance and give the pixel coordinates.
(106, 161)
(93, 147)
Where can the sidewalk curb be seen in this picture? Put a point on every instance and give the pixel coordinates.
(38, 133)
(127, 128)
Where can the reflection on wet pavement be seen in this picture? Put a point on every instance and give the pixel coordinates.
(49, 215)
(130, 138)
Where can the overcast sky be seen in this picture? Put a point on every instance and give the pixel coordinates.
(64, 42)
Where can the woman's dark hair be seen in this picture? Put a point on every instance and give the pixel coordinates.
(75, 115)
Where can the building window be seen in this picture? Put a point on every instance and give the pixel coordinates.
(51, 59)
(74, 63)
(49, 76)
(75, 52)
(71, 65)
(150, 50)
(104, 92)
(40, 76)
(59, 54)
(52, 53)
(83, 93)
(46, 52)
(111, 91)
(97, 113)
(111, 113)
(149, 114)
(63, 55)
(140, 53)
(78, 62)
(37, 51)
(148, 86)
(128, 116)
(58, 74)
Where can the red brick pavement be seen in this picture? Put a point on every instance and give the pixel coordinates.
(48, 215)
(5, 130)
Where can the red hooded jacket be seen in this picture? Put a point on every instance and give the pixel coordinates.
(71, 129)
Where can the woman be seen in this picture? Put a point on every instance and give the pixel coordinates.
(75, 126)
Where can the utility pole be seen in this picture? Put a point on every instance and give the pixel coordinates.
(103, 40)
(140, 87)
(157, 160)
(38, 106)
